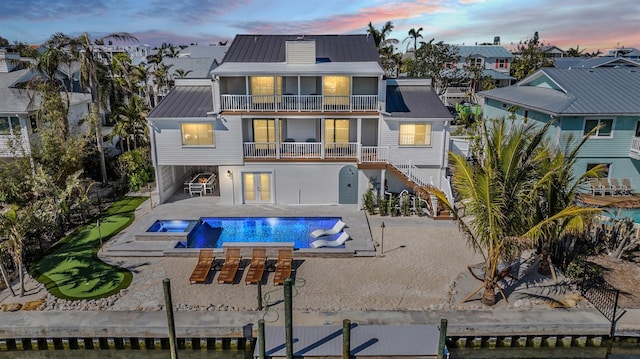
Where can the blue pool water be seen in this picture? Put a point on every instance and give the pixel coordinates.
(173, 225)
(624, 213)
(212, 232)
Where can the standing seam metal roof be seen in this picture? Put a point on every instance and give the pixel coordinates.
(185, 102)
(415, 102)
(271, 48)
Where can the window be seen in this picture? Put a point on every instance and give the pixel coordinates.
(263, 88)
(638, 129)
(264, 130)
(197, 134)
(415, 134)
(475, 61)
(501, 63)
(336, 131)
(605, 127)
(10, 126)
(605, 173)
(336, 90)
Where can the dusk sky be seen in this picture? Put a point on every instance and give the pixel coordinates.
(593, 25)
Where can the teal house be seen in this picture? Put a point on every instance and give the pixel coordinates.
(577, 100)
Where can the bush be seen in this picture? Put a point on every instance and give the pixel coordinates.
(135, 166)
(405, 204)
(369, 201)
(383, 205)
(578, 268)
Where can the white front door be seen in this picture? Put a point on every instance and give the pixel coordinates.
(256, 187)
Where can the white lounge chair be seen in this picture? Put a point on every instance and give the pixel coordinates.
(328, 232)
(325, 243)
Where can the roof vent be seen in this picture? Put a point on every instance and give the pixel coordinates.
(301, 52)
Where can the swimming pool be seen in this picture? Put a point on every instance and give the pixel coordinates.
(213, 232)
(618, 213)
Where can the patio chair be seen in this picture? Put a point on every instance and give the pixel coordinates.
(202, 268)
(620, 189)
(329, 232)
(230, 266)
(595, 187)
(318, 243)
(606, 187)
(210, 186)
(256, 267)
(627, 183)
(283, 266)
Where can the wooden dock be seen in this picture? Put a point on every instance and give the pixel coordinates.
(626, 201)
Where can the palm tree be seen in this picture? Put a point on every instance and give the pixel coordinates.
(414, 34)
(379, 35)
(181, 73)
(556, 212)
(87, 53)
(577, 52)
(14, 226)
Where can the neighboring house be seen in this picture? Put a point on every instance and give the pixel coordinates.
(552, 52)
(198, 61)
(495, 61)
(19, 105)
(626, 52)
(577, 100)
(300, 120)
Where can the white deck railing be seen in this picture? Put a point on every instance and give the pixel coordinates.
(300, 103)
(635, 147)
(301, 150)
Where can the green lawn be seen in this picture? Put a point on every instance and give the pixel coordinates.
(73, 271)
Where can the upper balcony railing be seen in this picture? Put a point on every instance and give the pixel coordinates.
(298, 103)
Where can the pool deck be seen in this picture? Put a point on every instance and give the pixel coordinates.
(192, 208)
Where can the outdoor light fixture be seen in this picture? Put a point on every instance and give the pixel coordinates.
(229, 174)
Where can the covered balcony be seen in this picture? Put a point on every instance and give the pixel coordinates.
(299, 94)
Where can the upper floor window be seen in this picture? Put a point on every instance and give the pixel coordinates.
(475, 61)
(336, 131)
(264, 130)
(197, 134)
(336, 90)
(605, 127)
(263, 88)
(10, 126)
(638, 129)
(415, 134)
(502, 63)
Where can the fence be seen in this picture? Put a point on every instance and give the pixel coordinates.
(602, 295)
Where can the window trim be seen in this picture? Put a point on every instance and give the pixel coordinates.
(213, 134)
(430, 145)
(595, 135)
(12, 127)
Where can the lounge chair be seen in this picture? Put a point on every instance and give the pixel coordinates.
(595, 187)
(210, 186)
(329, 232)
(256, 267)
(201, 271)
(230, 266)
(283, 266)
(606, 187)
(627, 183)
(318, 243)
(620, 189)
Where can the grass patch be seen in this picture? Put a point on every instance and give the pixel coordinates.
(74, 271)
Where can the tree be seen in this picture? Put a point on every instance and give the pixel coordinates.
(181, 73)
(434, 60)
(577, 52)
(379, 36)
(530, 58)
(414, 35)
(385, 46)
(87, 52)
(556, 213)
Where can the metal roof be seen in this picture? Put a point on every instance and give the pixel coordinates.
(185, 102)
(271, 48)
(593, 62)
(200, 67)
(604, 90)
(420, 102)
(395, 341)
(486, 51)
(198, 52)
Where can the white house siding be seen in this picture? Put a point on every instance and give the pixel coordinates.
(420, 156)
(226, 151)
(292, 183)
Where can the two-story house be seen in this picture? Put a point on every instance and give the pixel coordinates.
(495, 62)
(300, 120)
(579, 100)
(19, 104)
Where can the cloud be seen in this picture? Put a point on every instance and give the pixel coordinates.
(44, 10)
(157, 37)
(190, 11)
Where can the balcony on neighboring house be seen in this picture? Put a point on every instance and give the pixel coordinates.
(634, 152)
(299, 103)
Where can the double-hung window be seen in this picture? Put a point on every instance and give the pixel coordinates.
(197, 134)
(604, 127)
(415, 134)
